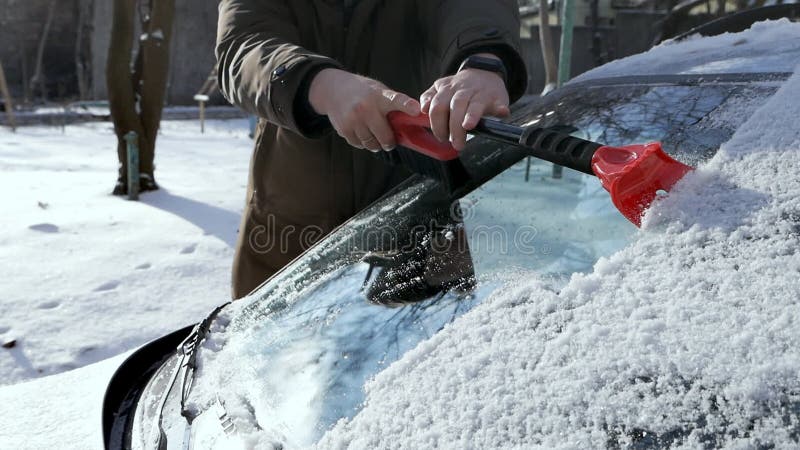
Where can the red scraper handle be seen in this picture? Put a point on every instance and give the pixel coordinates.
(414, 132)
(633, 175)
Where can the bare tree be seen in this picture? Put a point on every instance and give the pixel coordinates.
(82, 69)
(8, 104)
(23, 67)
(136, 98)
(38, 77)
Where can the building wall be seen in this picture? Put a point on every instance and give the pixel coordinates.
(192, 53)
(99, 44)
(194, 34)
(21, 25)
(634, 33)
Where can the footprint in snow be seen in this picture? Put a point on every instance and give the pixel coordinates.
(144, 266)
(189, 249)
(107, 286)
(49, 305)
(44, 228)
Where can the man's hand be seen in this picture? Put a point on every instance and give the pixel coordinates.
(357, 107)
(456, 103)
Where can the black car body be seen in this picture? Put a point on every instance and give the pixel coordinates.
(377, 286)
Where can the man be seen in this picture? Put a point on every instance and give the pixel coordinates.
(295, 63)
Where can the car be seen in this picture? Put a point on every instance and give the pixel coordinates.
(286, 364)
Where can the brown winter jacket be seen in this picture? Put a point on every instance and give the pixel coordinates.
(305, 180)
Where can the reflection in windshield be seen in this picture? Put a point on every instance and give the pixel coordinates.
(690, 123)
(550, 227)
(292, 359)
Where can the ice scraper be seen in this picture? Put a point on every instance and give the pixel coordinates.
(634, 174)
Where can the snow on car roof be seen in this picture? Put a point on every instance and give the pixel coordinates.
(688, 335)
(769, 46)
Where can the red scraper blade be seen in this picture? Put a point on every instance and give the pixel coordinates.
(634, 175)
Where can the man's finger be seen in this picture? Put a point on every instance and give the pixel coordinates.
(352, 139)
(346, 133)
(366, 139)
(379, 128)
(500, 109)
(439, 113)
(475, 111)
(398, 101)
(425, 99)
(458, 108)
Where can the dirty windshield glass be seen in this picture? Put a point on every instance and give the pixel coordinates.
(291, 359)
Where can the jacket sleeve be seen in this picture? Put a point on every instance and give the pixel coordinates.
(260, 65)
(455, 29)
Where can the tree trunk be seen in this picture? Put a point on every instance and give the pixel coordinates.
(146, 86)
(155, 70)
(23, 63)
(121, 96)
(84, 8)
(38, 77)
(548, 52)
(7, 102)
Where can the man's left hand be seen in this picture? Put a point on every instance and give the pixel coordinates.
(456, 103)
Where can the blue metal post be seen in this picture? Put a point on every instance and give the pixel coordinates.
(253, 121)
(565, 52)
(132, 141)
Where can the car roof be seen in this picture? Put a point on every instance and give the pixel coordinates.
(768, 46)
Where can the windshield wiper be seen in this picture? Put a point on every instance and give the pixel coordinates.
(186, 366)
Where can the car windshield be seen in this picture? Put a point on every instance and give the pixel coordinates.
(291, 359)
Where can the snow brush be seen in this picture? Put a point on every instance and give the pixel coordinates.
(634, 175)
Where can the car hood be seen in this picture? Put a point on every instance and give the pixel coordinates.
(686, 338)
(509, 337)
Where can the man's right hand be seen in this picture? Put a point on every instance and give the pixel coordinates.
(357, 107)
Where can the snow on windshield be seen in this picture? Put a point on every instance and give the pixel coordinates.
(770, 46)
(686, 338)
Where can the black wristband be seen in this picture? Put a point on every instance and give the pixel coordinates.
(487, 64)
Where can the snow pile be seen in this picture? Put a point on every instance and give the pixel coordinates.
(769, 46)
(687, 338)
(61, 411)
(86, 275)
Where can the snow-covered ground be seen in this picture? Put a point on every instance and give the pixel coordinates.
(87, 276)
(60, 411)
